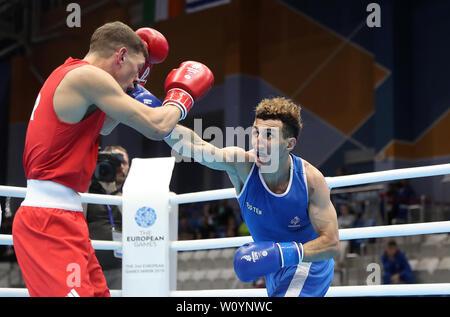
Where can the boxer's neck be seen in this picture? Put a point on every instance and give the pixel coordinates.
(279, 180)
(98, 61)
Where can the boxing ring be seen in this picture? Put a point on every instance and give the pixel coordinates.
(150, 225)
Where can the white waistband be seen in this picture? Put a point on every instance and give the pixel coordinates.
(49, 194)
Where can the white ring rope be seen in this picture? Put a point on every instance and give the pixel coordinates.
(389, 175)
(23, 292)
(344, 234)
(6, 239)
(208, 195)
(333, 182)
(20, 192)
(431, 289)
(394, 230)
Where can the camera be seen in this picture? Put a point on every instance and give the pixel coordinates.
(107, 165)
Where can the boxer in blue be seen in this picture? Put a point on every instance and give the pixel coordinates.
(284, 201)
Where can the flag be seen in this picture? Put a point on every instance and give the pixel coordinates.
(197, 5)
(160, 10)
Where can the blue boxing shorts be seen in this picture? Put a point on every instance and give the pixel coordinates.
(308, 279)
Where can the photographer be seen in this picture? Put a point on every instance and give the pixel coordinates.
(105, 221)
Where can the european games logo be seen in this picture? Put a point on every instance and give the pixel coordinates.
(145, 217)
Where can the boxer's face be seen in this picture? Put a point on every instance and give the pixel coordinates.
(269, 142)
(128, 66)
(266, 139)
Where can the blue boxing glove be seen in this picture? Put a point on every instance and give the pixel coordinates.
(146, 97)
(256, 259)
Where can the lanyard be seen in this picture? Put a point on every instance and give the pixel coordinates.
(111, 220)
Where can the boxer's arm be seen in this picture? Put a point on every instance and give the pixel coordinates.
(233, 160)
(323, 219)
(109, 125)
(101, 89)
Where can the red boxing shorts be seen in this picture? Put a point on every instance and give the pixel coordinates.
(55, 253)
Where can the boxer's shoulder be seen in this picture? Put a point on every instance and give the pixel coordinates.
(87, 76)
(314, 178)
(312, 172)
(73, 97)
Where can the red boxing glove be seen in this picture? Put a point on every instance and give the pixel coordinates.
(187, 84)
(157, 47)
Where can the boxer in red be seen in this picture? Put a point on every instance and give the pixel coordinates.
(80, 100)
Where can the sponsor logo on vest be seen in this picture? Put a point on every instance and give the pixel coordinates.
(295, 222)
(254, 209)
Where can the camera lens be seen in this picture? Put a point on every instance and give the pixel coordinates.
(105, 172)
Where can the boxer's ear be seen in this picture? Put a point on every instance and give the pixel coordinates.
(121, 55)
(291, 143)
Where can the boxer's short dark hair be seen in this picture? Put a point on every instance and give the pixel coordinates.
(283, 109)
(111, 36)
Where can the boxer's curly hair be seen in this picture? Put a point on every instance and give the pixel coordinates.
(283, 109)
(109, 37)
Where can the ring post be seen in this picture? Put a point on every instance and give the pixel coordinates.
(173, 254)
(145, 225)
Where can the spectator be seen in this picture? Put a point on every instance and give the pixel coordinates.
(347, 217)
(243, 229)
(339, 199)
(232, 228)
(205, 230)
(405, 195)
(185, 231)
(193, 211)
(221, 212)
(396, 266)
(389, 200)
(122, 172)
(399, 196)
(105, 221)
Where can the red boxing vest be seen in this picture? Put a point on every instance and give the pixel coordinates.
(61, 152)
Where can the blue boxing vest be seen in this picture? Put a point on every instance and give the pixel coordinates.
(282, 218)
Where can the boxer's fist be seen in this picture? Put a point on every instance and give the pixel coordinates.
(256, 259)
(157, 47)
(146, 97)
(187, 84)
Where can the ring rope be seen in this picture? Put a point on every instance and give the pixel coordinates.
(389, 175)
(344, 234)
(20, 192)
(6, 239)
(23, 292)
(333, 182)
(433, 289)
(430, 289)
